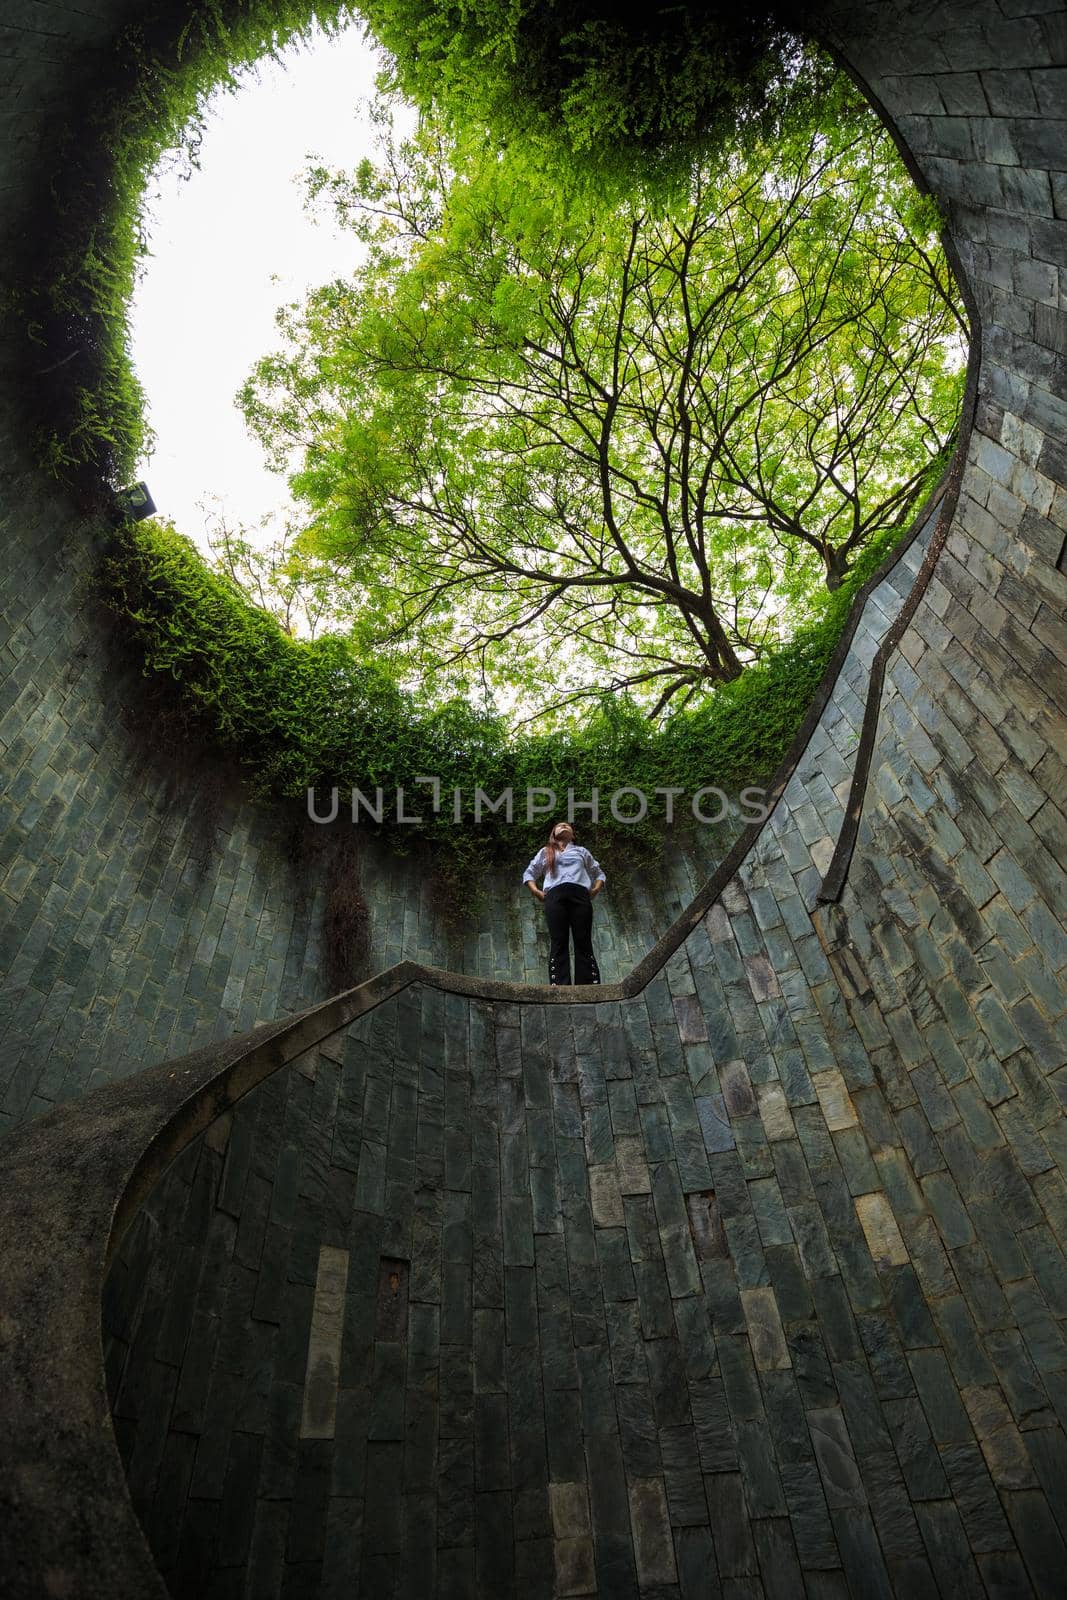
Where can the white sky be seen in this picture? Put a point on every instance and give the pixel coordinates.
(227, 248)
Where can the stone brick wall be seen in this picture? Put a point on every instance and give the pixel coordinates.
(512, 1299)
(803, 1199)
(145, 910)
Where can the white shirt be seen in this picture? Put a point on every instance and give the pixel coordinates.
(574, 864)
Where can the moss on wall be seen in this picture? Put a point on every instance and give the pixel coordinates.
(304, 714)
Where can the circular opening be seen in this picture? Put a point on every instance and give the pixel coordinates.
(510, 670)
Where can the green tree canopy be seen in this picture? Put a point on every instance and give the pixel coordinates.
(560, 447)
(598, 90)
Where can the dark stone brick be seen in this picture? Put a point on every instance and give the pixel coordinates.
(777, 1554)
(495, 1542)
(976, 1498)
(759, 1472)
(697, 1568)
(940, 1397)
(566, 1458)
(809, 1517)
(949, 1553)
(714, 1431)
(307, 1525)
(700, 1352)
(534, 1569)
(734, 1548)
(686, 1500)
(610, 1515)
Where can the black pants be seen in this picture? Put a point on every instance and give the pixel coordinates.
(569, 910)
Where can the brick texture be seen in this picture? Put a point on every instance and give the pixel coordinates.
(753, 1284)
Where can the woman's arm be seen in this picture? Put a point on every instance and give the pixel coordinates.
(537, 865)
(596, 872)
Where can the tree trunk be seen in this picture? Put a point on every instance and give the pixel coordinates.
(836, 567)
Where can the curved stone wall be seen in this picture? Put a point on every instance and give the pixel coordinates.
(860, 1384)
(511, 1298)
(147, 908)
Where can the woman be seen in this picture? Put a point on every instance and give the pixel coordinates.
(572, 881)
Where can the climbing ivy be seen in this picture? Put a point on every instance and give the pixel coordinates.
(307, 714)
(621, 95)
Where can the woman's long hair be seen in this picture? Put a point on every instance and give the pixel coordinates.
(551, 847)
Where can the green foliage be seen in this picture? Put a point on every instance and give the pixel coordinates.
(615, 104)
(560, 447)
(518, 67)
(300, 714)
(610, 94)
(305, 596)
(85, 238)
